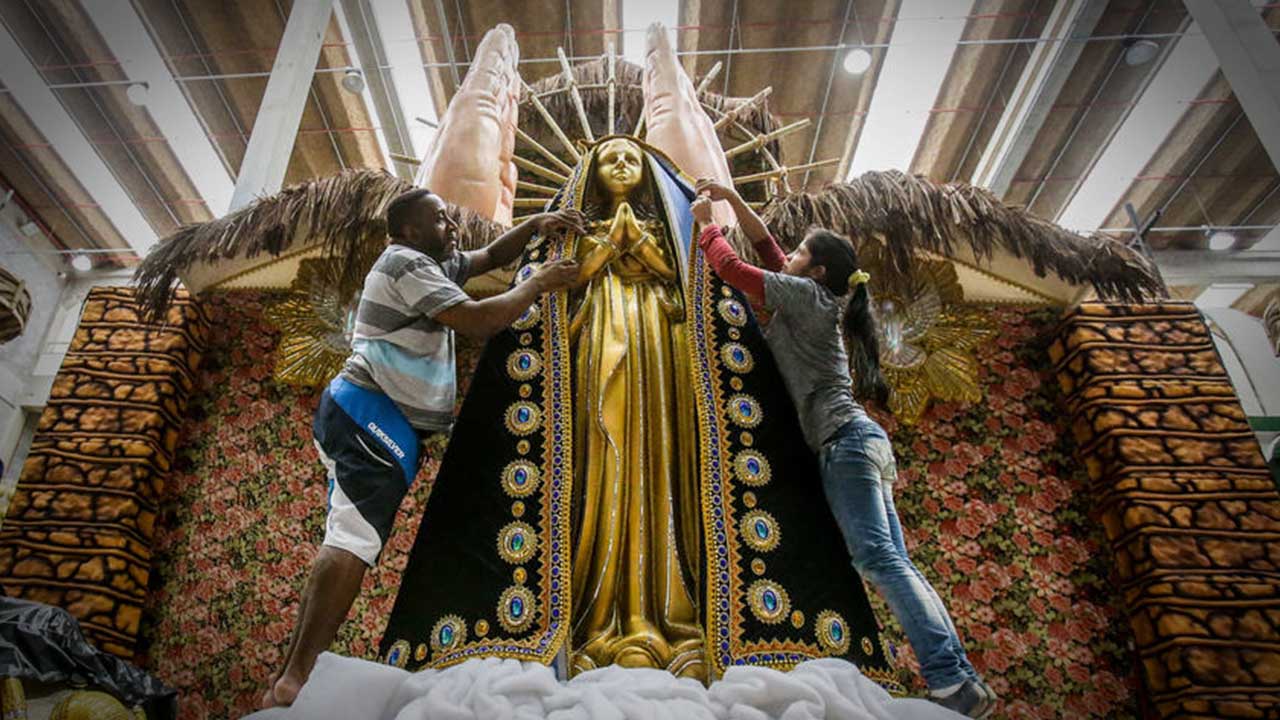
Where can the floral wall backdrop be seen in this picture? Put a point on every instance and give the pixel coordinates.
(996, 514)
(990, 496)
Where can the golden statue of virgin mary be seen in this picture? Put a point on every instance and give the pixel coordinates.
(636, 534)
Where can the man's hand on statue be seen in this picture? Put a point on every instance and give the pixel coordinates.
(556, 275)
(715, 190)
(561, 222)
(701, 209)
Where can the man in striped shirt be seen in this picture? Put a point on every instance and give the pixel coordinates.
(398, 386)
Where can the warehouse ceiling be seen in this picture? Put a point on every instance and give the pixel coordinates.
(121, 120)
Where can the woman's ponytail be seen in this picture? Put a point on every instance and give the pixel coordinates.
(837, 255)
(864, 347)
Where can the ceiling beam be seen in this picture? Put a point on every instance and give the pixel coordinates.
(276, 127)
(1183, 75)
(28, 88)
(378, 94)
(1250, 58)
(1051, 63)
(914, 67)
(1197, 267)
(140, 59)
(393, 27)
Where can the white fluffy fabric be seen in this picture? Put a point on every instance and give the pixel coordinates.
(495, 689)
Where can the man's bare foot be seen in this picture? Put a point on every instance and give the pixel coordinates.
(282, 693)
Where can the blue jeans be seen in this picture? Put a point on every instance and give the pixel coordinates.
(858, 471)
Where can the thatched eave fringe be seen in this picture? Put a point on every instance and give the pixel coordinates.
(906, 215)
(343, 213)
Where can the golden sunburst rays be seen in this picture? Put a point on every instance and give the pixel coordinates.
(315, 321)
(747, 148)
(927, 337)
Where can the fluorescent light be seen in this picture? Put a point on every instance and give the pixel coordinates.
(81, 263)
(137, 94)
(637, 16)
(857, 61)
(353, 81)
(1221, 240)
(1140, 52)
(911, 74)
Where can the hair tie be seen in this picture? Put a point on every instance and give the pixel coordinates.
(859, 277)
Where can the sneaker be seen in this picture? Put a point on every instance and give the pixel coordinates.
(969, 700)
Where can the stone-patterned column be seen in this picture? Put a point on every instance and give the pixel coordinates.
(79, 530)
(1189, 508)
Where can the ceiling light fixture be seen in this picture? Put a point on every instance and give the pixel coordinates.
(137, 93)
(353, 81)
(1140, 52)
(81, 262)
(1221, 240)
(857, 61)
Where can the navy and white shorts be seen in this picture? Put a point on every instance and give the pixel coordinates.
(370, 453)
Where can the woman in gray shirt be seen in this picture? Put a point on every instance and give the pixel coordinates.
(804, 291)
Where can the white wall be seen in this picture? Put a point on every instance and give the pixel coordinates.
(29, 362)
(19, 356)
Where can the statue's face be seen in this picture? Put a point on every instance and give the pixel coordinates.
(618, 166)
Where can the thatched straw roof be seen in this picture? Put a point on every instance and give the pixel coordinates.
(898, 216)
(342, 214)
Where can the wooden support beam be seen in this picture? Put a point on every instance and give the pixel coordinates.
(29, 91)
(613, 84)
(1051, 63)
(577, 96)
(530, 202)
(550, 156)
(1198, 267)
(122, 28)
(1247, 50)
(783, 171)
(536, 188)
(736, 113)
(551, 122)
(710, 76)
(760, 140)
(538, 170)
(276, 127)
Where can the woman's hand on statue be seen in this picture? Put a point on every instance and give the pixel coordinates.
(715, 190)
(701, 209)
(555, 275)
(561, 222)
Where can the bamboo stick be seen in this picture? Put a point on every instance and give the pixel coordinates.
(538, 170)
(764, 150)
(782, 171)
(530, 202)
(612, 85)
(577, 96)
(397, 157)
(738, 112)
(711, 75)
(555, 127)
(760, 140)
(550, 156)
(536, 188)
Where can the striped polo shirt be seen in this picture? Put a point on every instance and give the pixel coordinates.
(398, 347)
